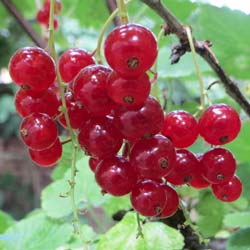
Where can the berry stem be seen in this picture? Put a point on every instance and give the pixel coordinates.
(202, 89)
(122, 11)
(51, 47)
(139, 227)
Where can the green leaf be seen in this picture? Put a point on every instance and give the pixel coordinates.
(243, 171)
(240, 219)
(239, 240)
(6, 221)
(209, 209)
(157, 236)
(37, 232)
(87, 192)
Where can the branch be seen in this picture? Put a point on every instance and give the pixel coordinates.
(24, 23)
(202, 48)
(111, 4)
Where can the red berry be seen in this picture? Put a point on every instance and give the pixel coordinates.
(148, 198)
(76, 111)
(27, 102)
(130, 50)
(38, 131)
(181, 128)
(218, 165)
(42, 17)
(47, 157)
(99, 137)
(184, 167)
(219, 124)
(32, 68)
(58, 6)
(137, 123)
(116, 176)
(128, 92)
(172, 202)
(90, 88)
(154, 157)
(93, 162)
(72, 61)
(228, 191)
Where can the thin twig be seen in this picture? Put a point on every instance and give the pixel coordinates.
(111, 5)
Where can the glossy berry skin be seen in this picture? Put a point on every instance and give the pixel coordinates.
(130, 49)
(99, 138)
(76, 111)
(47, 157)
(128, 92)
(93, 162)
(219, 165)
(184, 167)
(198, 181)
(72, 61)
(115, 176)
(139, 123)
(181, 128)
(219, 124)
(154, 157)
(90, 88)
(38, 131)
(27, 102)
(58, 6)
(172, 201)
(32, 68)
(228, 191)
(148, 198)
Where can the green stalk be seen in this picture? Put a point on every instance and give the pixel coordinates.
(123, 11)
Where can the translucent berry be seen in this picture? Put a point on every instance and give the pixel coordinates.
(172, 201)
(47, 157)
(72, 61)
(32, 68)
(218, 165)
(58, 6)
(99, 137)
(27, 102)
(184, 167)
(130, 50)
(137, 123)
(42, 16)
(76, 111)
(93, 162)
(90, 88)
(228, 191)
(38, 131)
(148, 198)
(181, 128)
(154, 157)
(116, 176)
(128, 92)
(219, 124)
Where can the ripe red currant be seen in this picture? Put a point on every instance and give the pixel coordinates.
(228, 191)
(128, 92)
(72, 61)
(130, 49)
(116, 176)
(181, 128)
(137, 123)
(32, 68)
(47, 157)
(219, 124)
(42, 17)
(93, 162)
(154, 157)
(218, 165)
(99, 137)
(76, 111)
(90, 88)
(38, 131)
(148, 198)
(172, 202)
(184, 167)
(27, 102)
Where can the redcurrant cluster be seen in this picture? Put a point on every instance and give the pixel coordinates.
(42, 16)
(111, 109)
